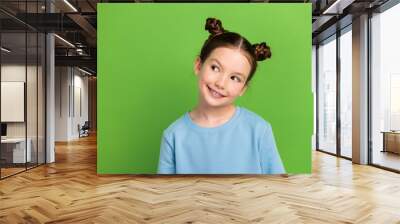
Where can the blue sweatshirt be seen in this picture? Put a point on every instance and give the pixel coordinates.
(243, 145)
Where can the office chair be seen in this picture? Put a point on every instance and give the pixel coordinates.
(84, 130)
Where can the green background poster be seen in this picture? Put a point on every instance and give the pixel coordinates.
(146, 80)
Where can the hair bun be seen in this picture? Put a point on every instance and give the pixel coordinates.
(214, 26)
(262, 51)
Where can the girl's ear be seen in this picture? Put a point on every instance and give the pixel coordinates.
(197, 66)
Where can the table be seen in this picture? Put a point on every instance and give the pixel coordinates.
(391, 141)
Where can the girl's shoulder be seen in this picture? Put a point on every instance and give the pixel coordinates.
(177, 125)
(254, 119)
(252, 116)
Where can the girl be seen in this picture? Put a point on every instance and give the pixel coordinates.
(217, 137)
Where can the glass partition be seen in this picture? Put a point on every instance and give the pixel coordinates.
(22, 77)
(346, 93)
(385, 89)
(14, 154)
(327, 95)
(31, 101)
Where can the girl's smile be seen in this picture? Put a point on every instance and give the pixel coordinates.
(222, 76)
(215, 94)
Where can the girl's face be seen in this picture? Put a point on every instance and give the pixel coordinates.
(222, 76)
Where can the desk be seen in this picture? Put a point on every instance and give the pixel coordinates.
(391, 141)
(17, 151)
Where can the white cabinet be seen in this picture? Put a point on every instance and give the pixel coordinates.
(18, 149)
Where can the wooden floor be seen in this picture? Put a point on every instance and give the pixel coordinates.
(69, 191)
(5, 172)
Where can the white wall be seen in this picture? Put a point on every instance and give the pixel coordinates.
(13, 72)
(62, 81)
(71, 93)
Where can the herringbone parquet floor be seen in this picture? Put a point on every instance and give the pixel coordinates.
(70, 191)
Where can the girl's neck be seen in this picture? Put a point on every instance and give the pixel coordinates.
(212, 116)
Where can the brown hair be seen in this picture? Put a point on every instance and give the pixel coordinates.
(219, 37)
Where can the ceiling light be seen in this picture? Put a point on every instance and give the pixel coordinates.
(5, 49)
(70, 5)
(64, 40)
(337, 7)
(84, 71)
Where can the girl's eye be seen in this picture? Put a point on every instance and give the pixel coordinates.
(235, 78)
(215, 68)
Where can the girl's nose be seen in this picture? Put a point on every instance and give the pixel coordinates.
(220, 83)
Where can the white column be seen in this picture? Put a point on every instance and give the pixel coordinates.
(360, 90)
(50, 92)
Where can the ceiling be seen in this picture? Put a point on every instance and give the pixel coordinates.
(76, 22)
